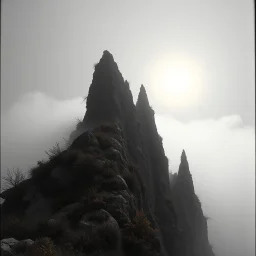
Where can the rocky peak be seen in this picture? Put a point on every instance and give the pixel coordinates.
(143, 98)
(107, 61)
(143, 102)
(184, 175)
(105, 93)
(157, 176)
(189, 212)
(184, 167)
(111, 182)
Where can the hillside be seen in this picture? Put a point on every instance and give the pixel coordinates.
(109, 192)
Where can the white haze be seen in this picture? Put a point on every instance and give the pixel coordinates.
(33, 125)
(220, 154)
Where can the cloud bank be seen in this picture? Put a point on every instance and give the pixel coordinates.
(33, 125)
(222, 162)
(220, 154)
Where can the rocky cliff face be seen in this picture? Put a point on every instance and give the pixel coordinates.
(190, 217)
(108, 193)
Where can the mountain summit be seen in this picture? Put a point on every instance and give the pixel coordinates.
(108, 193)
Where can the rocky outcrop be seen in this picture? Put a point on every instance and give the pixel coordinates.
(157, 174)
(95, 210)
(191, 220)
(11, 246)
(108, 193)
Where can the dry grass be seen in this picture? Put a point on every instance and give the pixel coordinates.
(42, 247)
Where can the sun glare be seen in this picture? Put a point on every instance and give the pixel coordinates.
(176, 83)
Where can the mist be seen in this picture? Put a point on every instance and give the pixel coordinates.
(220, 154)
(222, 162)
(35, 123)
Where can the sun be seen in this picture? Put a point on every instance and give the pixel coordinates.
(176, 83)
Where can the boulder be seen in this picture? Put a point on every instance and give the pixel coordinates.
(102, 231)
(6, 246)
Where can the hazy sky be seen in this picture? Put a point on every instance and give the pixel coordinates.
(51, 46)
(196, 60)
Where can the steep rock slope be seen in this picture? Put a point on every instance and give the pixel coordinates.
(157, 178)
(81, 202)
(116, 104)
(191, 220)
(108, 193)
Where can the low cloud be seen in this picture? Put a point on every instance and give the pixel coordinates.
(33, 125)
(220, 154)
(222, 162)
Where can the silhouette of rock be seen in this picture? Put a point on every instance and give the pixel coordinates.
(157, 174)
(109, 192)
(190, 216)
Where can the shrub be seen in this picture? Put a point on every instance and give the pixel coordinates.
(140, 226)
(42, 247)
(139, 238)
(13, 178)
(54, 151)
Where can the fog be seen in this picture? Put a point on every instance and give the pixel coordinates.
(48, 49)
(33, 125)
(220, 154)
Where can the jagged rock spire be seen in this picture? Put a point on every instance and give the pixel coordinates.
(107, 54)
(142, 98)
(105, 91)
(107, 57)
(184, 174)
(183, 159)
(183, 162)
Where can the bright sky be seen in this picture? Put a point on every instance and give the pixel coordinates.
(196, 60)
(51, 46)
